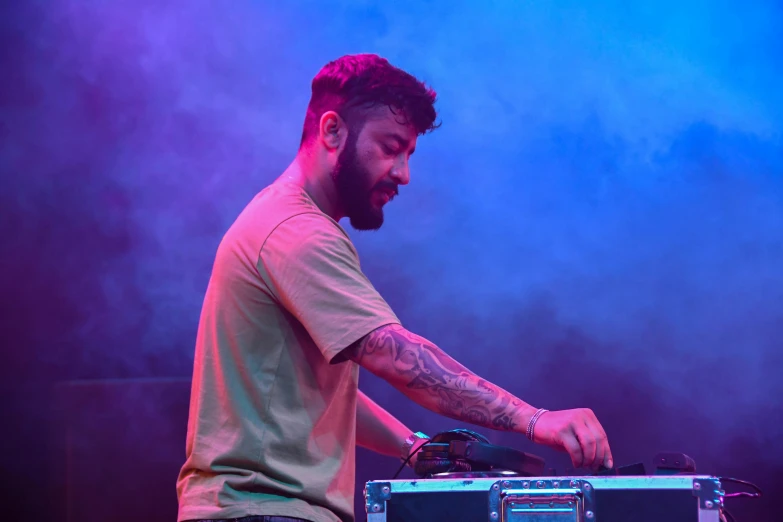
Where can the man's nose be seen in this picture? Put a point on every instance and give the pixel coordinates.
(401, 173)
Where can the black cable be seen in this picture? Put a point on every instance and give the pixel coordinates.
(729, 517)
(405, 462)
(741, 493)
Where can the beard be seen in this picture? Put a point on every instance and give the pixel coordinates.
(352, 180)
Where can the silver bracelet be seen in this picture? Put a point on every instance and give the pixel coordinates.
(409, 442)
(532, 424)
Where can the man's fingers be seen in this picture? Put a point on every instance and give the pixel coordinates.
(604, 454)
(574, 449)
(587, 442)
(608, 460)
(595, 459)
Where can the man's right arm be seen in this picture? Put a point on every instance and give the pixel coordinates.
(431, 378)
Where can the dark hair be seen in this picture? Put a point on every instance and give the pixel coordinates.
(354, 84)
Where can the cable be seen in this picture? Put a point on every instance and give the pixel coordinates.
(741, 493)
(405, 462)
(728, 516)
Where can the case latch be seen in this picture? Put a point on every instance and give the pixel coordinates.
(554, 500)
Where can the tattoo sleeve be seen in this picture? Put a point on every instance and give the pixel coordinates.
(431, 378)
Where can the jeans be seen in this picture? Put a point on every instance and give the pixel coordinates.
(255, 518)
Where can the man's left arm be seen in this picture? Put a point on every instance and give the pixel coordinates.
(379, 431)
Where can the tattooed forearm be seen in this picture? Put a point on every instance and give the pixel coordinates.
(431, 378)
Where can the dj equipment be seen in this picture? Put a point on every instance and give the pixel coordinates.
(462, 477)
(497, 497)
(465, 450)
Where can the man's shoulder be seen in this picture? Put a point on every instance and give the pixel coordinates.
(276, 204)
(284, 211)
(280, 201)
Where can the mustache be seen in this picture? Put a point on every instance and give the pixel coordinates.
(387, 185)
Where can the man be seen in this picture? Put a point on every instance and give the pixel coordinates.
(289, 318)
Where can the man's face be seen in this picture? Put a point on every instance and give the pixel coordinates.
(372, 165)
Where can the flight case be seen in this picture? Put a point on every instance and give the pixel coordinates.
(470, 497)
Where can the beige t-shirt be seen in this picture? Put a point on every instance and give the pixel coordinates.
(272, 426)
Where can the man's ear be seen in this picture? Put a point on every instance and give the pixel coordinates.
(332, 131)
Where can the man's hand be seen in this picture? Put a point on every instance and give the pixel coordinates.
(578, 433)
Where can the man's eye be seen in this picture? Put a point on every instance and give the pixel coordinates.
(387, 149)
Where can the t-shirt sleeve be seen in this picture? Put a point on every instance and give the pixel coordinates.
(313, 270)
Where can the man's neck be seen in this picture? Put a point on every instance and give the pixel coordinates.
(317, 182)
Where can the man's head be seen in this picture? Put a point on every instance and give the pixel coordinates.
(365, 116)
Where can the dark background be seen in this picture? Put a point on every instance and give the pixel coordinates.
(599, 222)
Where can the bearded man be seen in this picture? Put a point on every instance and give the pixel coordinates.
(289, 318)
